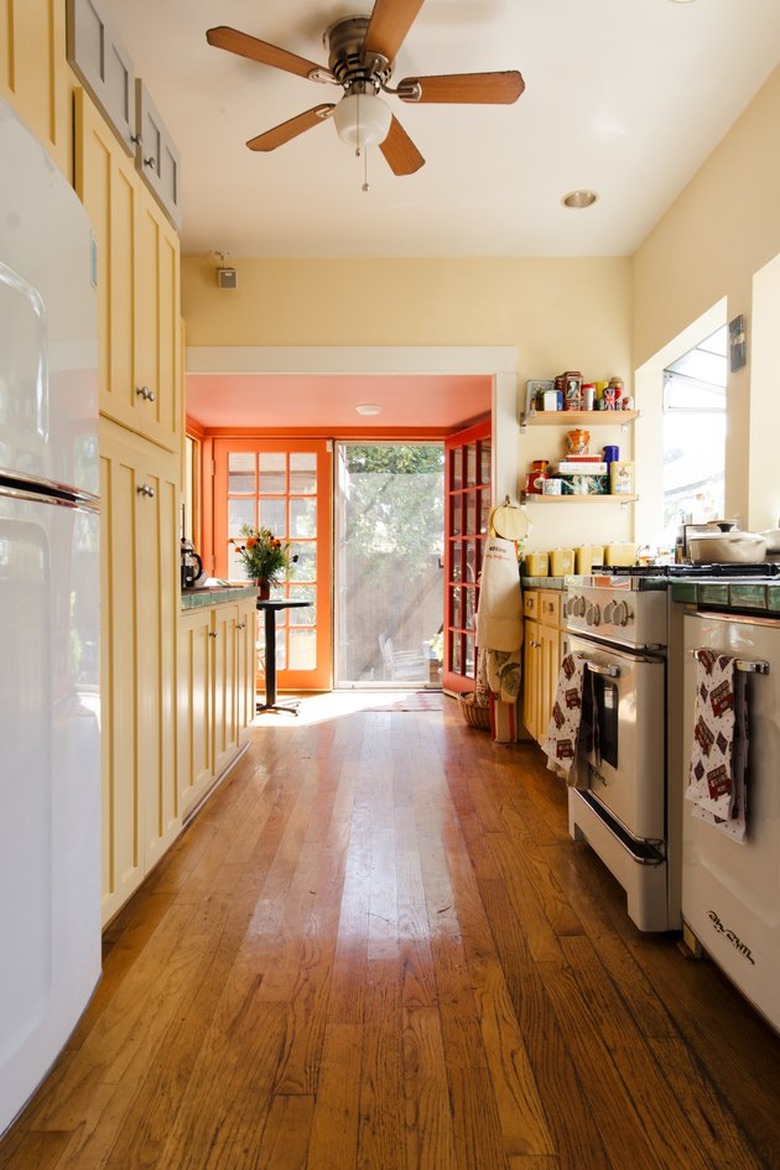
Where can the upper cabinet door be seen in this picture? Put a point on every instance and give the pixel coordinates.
(157, 158)
(138, 286)
(33, 75)
(104, 65)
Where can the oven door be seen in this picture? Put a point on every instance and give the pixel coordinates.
(623, 700)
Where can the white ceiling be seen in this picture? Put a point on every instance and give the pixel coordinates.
(627, 97)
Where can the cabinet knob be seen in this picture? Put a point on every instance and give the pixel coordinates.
(145, 393)
(212, 633)
(146, 489)
(150, 162)
(242, 626)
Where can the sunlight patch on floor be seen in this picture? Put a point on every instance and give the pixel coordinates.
(320, 708)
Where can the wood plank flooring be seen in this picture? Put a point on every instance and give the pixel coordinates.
(376, 948)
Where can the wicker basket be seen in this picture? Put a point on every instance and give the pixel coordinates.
(475, 714)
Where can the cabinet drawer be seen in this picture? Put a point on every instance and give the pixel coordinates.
(531, 605)
(550, 607)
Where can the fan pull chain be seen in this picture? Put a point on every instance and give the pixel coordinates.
(365, 186)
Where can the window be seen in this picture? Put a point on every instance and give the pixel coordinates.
(695, 435)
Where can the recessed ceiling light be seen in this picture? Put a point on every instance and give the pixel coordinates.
(579, 199)
(368, 408)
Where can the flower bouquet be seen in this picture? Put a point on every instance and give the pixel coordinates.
(266, 559)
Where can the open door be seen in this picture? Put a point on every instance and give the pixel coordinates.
(283, 485)
(468, 495)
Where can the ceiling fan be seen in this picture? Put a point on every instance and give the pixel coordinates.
(362, 50)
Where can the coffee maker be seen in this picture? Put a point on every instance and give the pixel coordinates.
(191, 565)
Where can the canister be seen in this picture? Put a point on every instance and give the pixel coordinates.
(537, 564)
(561, 562)
(586, 556)
(621, 554)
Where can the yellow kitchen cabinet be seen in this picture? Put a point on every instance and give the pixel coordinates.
(34, 76)
(216, 693)
(541, 658)
(140, 812)
(138, 285)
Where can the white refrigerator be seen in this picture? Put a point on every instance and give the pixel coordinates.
(49, 603)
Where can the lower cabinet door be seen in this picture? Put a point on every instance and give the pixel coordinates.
(139, 632)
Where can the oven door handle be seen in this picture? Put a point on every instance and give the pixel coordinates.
(597, 668)
(744, 665)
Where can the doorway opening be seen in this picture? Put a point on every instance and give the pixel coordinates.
(388, 564)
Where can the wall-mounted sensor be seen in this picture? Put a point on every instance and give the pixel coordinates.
(226, 278)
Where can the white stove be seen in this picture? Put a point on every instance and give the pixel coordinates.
(619, 625)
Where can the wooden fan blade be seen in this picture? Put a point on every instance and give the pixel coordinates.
(234, 41)
(401, 154)
(291, 129)
(474, 88)
(390, 22)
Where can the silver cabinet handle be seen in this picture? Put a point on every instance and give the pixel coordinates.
(212, 633)
(150, 162)
(146, 489)
(145, 393)
(242, 626)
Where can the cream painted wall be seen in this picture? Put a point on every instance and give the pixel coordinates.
(723, 228)
(558, 314)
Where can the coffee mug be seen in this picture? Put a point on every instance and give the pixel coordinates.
(611, 454)
(549, 487)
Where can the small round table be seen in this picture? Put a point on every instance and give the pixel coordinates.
(270, 609)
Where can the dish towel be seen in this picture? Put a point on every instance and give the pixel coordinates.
(719, 751)
(563, 732)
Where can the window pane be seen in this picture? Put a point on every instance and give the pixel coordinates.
(241, 471)
(273, 515)
(456, 566)
(485, 451)
(456, 464)
(308, 616)
(305, 568)
(240, 512)
(471, 464)
(303, 472)
(456, 505)
(273, 473)
(303, 649)
(303, 517)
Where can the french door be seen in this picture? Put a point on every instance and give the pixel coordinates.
(468, 493)
(283, 485)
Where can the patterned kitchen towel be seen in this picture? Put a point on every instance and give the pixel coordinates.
(504, 673)
(719, 751)
(563, 732)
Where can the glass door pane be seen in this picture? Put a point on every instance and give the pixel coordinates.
(284, 486)
(389, 532)
(468, 494)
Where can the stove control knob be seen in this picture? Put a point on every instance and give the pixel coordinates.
(609, 612)
(621, 615)
(571, 601)
(581, 607)
(593, 615)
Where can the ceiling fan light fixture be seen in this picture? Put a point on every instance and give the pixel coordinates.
(579, 199)
(362, 120)
(369, 408)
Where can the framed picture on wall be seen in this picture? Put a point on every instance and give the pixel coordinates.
(737, 343)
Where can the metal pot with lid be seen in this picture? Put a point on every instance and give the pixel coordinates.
(717, 547)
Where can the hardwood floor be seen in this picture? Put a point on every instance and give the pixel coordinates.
(376, 948)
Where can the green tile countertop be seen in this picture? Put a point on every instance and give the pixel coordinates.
(741, 596)
(216, 595)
